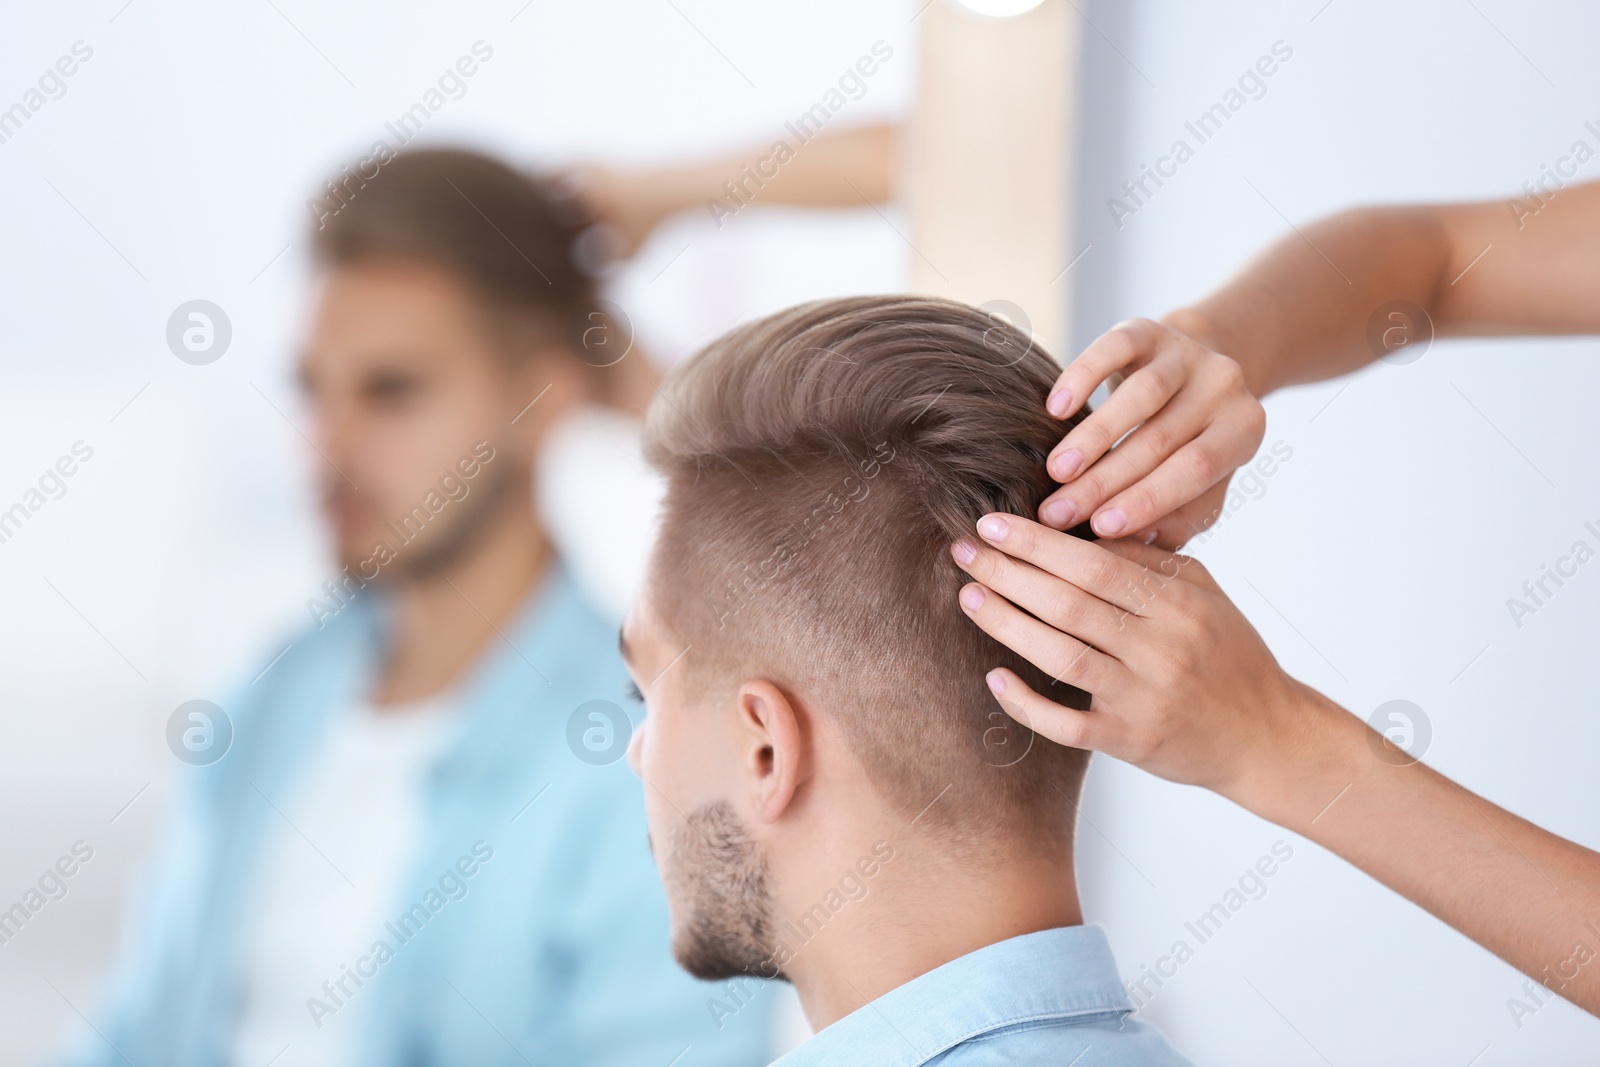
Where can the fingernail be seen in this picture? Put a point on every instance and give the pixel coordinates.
(993, 528)
(1059, 513)
(1066, 465)
(997, 682)
(1149, 538)
(964, 551)
(972, 597)
(1059, 402)
(1110, 522)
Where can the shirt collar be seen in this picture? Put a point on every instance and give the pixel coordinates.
(1052, 974)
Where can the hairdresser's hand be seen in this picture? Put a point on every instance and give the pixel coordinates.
(630, 205)
(1192, 420)
(1182, 685)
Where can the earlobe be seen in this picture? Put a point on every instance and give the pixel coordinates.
(773, 747)
(550, 384)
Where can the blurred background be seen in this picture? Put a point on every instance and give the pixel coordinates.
(178, 163)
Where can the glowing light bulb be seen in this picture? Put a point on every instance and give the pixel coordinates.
(999, 9)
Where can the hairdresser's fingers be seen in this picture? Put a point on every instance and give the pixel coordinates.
(1061, 656)
(1065, 726)
(1124, 345)
(1142, 451)
(1175, 529)
(1138, 398)
(1083, 563)
(1163, 563)
(1046, 597)
(628, 205)
(1184, 475)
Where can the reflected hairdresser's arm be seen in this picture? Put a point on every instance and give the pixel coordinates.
(1185, 688)
(1302, 311)
(835, 169)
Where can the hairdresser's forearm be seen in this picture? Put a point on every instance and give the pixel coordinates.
(845, 168)
(1526, 895)
(1300, 311)
(850, 168)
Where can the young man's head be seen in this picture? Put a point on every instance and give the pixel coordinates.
(447, 297)
(817, 697)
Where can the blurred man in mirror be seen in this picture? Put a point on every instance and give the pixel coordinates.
(422, 846)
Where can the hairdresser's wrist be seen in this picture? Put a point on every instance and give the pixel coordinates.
(1305, 758)
(1209, 331)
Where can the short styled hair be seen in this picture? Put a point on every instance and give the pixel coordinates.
(508, 236)
(819, 464)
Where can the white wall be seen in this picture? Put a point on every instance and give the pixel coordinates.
(1378, 560)
(177, 165)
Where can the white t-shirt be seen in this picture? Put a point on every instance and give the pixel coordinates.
(334, 866)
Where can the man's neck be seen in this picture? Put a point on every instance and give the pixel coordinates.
(444, 620)
(923, 910)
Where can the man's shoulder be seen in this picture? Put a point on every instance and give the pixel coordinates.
(304, 657)
(1107, 1039)
(1047, 997)
(304, 643)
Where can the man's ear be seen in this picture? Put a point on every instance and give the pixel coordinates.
(558, 380)
(773, 747)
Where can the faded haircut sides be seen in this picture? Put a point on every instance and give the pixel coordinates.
(819, 464)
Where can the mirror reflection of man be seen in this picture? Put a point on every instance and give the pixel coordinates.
(404, 857)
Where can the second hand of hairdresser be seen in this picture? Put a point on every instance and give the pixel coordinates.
(1183, 685)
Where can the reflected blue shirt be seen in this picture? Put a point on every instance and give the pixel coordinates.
(560, 952)
(1052, 997)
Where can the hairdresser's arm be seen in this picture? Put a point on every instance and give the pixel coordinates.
(1185, 688)
(1299, 312)
(845, 168)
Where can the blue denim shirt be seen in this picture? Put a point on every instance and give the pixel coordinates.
(1047, 998)
(559, 952)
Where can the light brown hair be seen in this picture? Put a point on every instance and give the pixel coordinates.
(820, 462)
(508, 236)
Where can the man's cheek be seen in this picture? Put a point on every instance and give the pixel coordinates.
(636, 747)
(657, 828)
(664, 775)
(668, 778)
